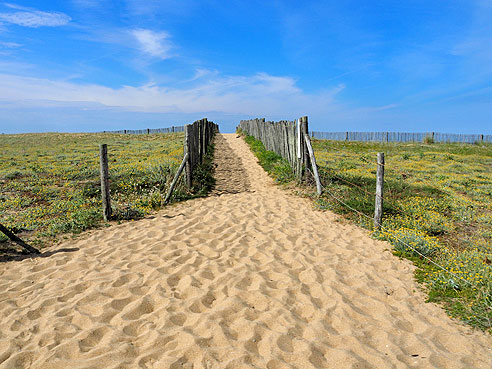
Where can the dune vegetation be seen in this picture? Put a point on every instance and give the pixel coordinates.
(437, 204)
(50, 184)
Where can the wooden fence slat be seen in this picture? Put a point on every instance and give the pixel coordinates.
(187, 153)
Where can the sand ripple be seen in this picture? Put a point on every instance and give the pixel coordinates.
(250, 277)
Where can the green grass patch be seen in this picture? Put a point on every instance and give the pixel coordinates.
(271, 162)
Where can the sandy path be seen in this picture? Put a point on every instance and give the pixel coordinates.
(250, 277)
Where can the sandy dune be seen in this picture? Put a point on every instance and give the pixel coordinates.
(250, 277)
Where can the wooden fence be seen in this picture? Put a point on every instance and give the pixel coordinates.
(401, 137)
(197, 139)
(290, 140)
(148, 130)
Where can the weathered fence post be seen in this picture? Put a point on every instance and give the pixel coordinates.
(148, 131)
(378, 208)
(305, 154)
(346, 136)
(125, 131)
(106, 202)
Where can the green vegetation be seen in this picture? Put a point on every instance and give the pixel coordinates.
(437, 199)
(49, 183)
(273, 163)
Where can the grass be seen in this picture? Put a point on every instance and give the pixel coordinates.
(437, 199)
(273, 163)
(49, 183)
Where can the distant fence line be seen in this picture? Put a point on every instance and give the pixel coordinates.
(148, 130)
(401, 137)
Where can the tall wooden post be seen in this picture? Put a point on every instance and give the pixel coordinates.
(106, 202)
(304, 151)
(187, 130)
(378, 208)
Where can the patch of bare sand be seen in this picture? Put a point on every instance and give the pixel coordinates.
(249, 278)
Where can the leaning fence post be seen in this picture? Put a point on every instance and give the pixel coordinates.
(175, 179)
(106, 202)
(378, 208)
(17, 240)
(313, 163)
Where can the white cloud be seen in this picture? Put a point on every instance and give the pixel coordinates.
(260, 94)
(9, 45)
(33, 18)
(154, 43)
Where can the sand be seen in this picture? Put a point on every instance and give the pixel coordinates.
(250, 277)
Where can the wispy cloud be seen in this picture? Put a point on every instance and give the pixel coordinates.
(156, 44)
(9, 45)
(29, 17)
(260, 94)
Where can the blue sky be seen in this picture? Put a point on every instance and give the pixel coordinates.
(89, 65)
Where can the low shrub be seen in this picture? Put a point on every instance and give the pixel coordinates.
(409, 241)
